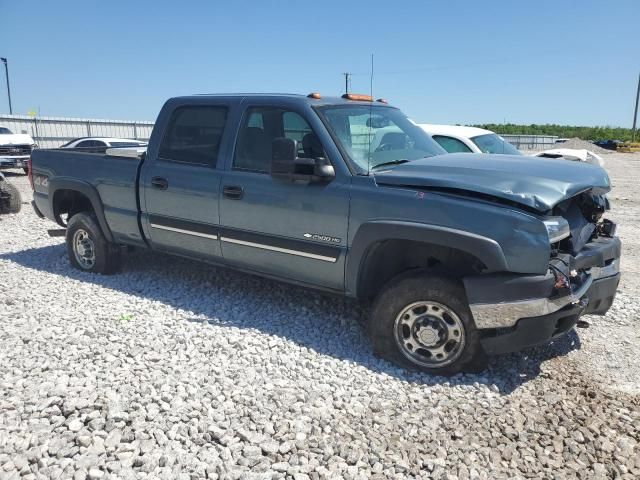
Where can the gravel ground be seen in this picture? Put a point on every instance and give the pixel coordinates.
(173, 369)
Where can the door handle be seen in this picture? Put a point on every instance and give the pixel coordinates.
(160, 183)
(233, 192)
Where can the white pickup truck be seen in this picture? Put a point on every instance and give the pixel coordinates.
(15, 149)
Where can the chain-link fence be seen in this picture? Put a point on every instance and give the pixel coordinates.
(531, 142)
(51, 132)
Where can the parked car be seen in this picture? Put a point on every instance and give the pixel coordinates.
(608, 144)
(10, 200)
(461, 139)
(458, 255)
(100, 144)
(15, 149)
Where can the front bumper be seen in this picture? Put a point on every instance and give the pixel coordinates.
(531, 332)
(14, 162)
(515, 311)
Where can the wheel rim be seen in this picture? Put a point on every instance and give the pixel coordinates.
(429, 334)
(84, 249)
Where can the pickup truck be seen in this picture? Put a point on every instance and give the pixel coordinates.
(15, 149)
(457, 256)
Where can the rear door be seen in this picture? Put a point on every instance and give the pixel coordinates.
(180, 179)
(293, 230)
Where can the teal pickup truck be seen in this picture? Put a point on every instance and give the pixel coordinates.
(457, 255)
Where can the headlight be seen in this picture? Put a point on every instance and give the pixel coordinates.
(557, 228)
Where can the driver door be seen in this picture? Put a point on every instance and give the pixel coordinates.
(287, 229)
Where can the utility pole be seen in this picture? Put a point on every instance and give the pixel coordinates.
(6, 73)
(347, 76)
(635, 112)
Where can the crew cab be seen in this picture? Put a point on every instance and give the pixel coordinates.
(457, 256)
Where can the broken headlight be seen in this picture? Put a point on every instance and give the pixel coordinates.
(557, 228)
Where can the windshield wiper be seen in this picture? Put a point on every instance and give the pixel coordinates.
(392, 162)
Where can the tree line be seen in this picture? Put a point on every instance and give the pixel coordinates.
(562, 131)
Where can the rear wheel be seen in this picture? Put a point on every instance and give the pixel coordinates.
(10, 199)
(423, 321)
(88, 248)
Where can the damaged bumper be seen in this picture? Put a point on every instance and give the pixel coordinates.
(516, 311)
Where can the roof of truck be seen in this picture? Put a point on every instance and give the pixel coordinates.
(323, 100)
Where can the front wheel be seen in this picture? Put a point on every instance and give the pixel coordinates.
(88, 248)
(423, 321)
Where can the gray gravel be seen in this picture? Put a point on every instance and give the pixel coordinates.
(580, 144)
(173, 369)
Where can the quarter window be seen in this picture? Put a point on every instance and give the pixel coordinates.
(194, 134)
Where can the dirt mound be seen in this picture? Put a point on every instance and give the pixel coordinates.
(578, 143)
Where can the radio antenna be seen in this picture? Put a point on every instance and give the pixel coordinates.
(370, 117)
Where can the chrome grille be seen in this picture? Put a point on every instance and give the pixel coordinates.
(10, 150)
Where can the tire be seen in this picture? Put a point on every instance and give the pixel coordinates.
(422, 321)
(87, 247)
(10, 199)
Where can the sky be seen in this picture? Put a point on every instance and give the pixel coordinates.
(461, 62)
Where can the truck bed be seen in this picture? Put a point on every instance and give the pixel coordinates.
(114, 177)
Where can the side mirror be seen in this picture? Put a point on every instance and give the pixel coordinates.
(283, 157)
(286, 165)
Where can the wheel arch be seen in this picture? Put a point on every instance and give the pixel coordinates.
(382, 250)
(72, 196)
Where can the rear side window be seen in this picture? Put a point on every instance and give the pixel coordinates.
(194, 134)
(451, 145)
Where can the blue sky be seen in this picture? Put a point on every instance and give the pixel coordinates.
(572, 62)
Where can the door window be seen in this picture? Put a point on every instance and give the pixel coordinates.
(261, 126)
(194, 134)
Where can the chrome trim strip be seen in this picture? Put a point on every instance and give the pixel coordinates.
(188, 232)
(501, 315)
(278, 249)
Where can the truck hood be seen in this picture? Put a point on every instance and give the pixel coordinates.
(538, 183)
(16, 139)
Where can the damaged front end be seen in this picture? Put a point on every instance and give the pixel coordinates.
(514, 311)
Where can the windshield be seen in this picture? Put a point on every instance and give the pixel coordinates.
(492, 143)
(5, 131)
(371, 135)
